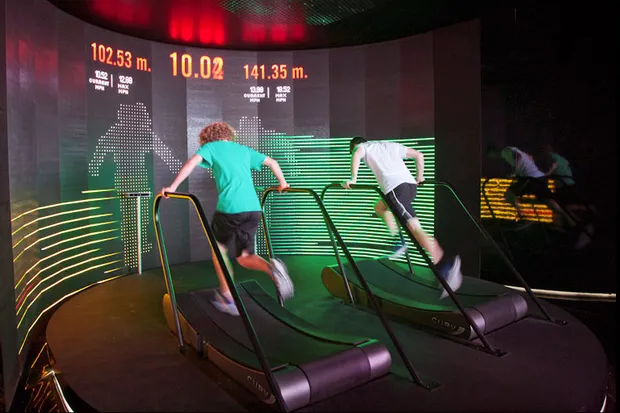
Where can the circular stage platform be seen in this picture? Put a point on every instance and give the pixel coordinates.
(112, 347)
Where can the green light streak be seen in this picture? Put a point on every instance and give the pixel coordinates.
(60, 252)
(68, 221)
(81, 201)
(295, 222)
(58, 282)
(61, 233)
(53, 216)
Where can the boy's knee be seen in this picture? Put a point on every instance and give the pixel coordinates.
(380, 207)
(222, 247)
(243, 257)
(414, 224)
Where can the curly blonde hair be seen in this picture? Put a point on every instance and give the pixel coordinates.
(217, 131)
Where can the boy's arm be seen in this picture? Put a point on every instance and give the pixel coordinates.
(355, 166)
(183, 174)
(275, 168)
(419, 161)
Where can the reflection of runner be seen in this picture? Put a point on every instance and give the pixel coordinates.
(129, 140)
(531, 180)
(528, 178)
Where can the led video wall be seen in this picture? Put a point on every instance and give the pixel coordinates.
(96, 116)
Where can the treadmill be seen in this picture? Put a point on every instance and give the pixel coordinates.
(299, 365)
(478, 307)
(412, 299)
(308, 365)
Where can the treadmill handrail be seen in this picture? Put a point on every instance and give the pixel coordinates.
(258, 348)
(496, 247)
(332, 228)
(487, 345)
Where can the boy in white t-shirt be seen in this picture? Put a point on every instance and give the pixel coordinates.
(385, 159)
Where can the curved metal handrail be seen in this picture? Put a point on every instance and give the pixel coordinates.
(268, 237)
(487, 345)
(488, 237)
(332, 228)
(258, 348)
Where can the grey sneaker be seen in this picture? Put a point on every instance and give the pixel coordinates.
(225, 304)
(283, 282)
(398, 249)
(454, 277)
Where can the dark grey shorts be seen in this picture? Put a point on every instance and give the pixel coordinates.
(400, 199)
(236, 231)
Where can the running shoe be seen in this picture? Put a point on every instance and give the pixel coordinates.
(399, 248)
(225, 304)
(283, 281)
(453, 276)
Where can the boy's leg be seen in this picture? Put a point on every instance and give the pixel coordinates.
(275, 269)
(223, 299)
(224, 288)
(400, 200)
(427, 242)
(449, 268)
(386, 215)
(514, 192)
(255, 262)
(399, 245)
(248, 259)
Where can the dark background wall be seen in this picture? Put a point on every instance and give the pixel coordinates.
(549, 75)
(458, 132)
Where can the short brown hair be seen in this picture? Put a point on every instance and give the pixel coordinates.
(354, 142)
(217, 131)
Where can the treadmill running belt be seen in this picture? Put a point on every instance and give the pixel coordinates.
(414, 302)
(278, 340)
(426, 277)
(308, 366)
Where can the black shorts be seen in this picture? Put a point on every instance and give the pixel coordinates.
(236, 231)
(531, 186)
(399, 200)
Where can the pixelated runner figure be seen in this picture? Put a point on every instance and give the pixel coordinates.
(129, 140)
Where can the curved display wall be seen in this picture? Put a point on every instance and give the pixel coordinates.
(94, 115)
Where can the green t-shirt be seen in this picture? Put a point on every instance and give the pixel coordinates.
(232, 164)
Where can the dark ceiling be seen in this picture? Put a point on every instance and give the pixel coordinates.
(275, 24)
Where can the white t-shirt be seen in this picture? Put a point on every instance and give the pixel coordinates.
(525, 166)
(385, 159)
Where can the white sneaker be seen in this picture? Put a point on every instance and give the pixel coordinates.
(283, 282)
(225, 304)
(399, 249)
(454, 277)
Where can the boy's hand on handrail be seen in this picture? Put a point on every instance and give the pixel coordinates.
(167, 189)
(283, 186)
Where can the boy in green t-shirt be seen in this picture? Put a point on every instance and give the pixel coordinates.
(238, 211)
